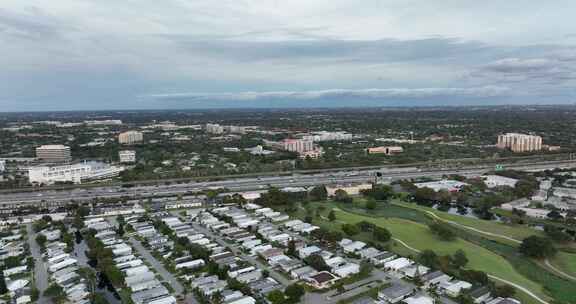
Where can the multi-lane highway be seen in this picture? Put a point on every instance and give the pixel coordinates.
(261, 183)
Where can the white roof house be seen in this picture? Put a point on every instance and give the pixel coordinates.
(190, 264)
(454, 288)
(61, 265)
(347, 270)
(419, 299)
(306, 251)
(17, 285)
(243, 300)
(398, 264)
(353, 247)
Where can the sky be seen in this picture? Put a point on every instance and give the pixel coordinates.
(176, 54)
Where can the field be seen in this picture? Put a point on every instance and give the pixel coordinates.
(517, 232)
(565, 262)
(419, 237)
(409, 226)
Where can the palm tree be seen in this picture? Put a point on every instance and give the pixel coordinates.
(90, 276)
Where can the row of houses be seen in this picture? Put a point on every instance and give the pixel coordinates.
(63, 268)
(17, 278)
(238, 269)
(138, 277)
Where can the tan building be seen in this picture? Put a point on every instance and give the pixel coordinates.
(351, 189)
(519, 142)
(297, 145)
(386, 150)
(130, 137)
(54, 153)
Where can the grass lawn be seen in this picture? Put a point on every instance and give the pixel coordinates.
(409, 225)
(419, 236)
(565, 262)
(518, 232)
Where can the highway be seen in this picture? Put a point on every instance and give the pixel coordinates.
(261, 183)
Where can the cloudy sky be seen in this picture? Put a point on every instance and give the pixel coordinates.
(150, 54)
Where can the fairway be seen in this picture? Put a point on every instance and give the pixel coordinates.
(565, 262)
(517, 232)
(418, 236)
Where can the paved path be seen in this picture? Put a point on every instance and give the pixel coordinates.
(547, 262)
(486, 233)
(519, 287)
(472, 228)
(40, 271)
(168, 276)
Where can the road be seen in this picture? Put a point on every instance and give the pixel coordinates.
(40, 271)
(261, 183)
(168, 276)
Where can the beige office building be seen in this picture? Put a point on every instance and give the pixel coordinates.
(54, 153)
(519, 142)
(130, 137)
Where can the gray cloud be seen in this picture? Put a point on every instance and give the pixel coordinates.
(436, 48)
(401, 93)
(33, 25)
(554, 69)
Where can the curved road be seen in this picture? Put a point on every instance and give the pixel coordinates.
(547, 262)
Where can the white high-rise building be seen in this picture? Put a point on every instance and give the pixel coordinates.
(297, 145)
(517, 142)
(130, 137)
(127, 156)
(214, 129)
(54, 153)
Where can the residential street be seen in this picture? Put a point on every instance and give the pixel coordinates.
(40, 271)
(169, 277)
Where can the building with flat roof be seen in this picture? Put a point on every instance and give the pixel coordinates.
(130, 137)
(127, 156)
(517, 142)
(76, 173)
(388, 150)
(54, 153)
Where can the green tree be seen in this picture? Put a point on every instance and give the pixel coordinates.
(317, 262)
(537, 247)
(291, 251)
(428, 258)
(459, 259)
(318, 193)
(3, 288)
(381, 234)
(276, 297)
(90, 276)
(295, 292)
(41, 240)
(425, 196)
(442, 230)
(504, 291)
(371, 204)
(332, 216)
(342, 196)
(350, 229)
